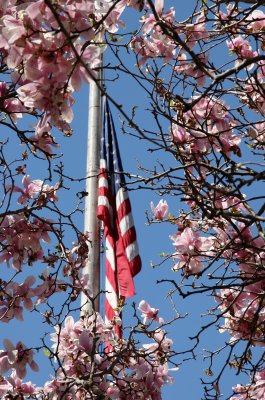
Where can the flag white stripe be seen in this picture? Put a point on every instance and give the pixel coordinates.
(103, 164)
(110, 255)
(104, 201)
(126, 223)
(132, 251)
(111, 295)
(121, 196)
(103, 182)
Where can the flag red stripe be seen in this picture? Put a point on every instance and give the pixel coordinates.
(124, 208)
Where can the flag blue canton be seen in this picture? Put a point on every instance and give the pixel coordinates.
(109, 151)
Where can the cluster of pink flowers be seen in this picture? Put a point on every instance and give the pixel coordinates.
(191, 34)
(130, 371)
(206, 126)
(218, 198)
(15, 297)
(35, 188)
(45, 69)
(17, 357)
(21, 239)
(253, 95)
(48, 58)
(43, 140)
(13, 386)
(197, 243)
(254, 21)
(244, 312)
(244, 308)
(10, 105)
(191, 249)
(190, 69)
(241, 47)
(196, 31)
(154, 43)
(77, 258)
(255, 391)
(88, 368)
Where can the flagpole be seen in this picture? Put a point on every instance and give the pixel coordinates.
(91, 223)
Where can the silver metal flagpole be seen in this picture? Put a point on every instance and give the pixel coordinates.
(91, 223)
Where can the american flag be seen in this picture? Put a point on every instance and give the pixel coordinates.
(114, 209)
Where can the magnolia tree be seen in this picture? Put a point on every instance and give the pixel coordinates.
(203, 83)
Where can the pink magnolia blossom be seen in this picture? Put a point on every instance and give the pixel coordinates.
(196, 31)
(143, 49)
(161, 342)
(241, 47)
(15, 387)
(149, 21)
(154, 43)
(43, 140)
(190, 265)
(257, 134)
(149, 313)
(13, 29)
(217, 132)
(252, 96)
(113, 21)
(258, 391)
(240, 309)
(12, 106)
(22, 240)
(31, 189)
(254, 391)
(190, 69)
(80, 74)
(256, 21)
(160, 211)
(17, 358)
(35, 10)
(191, 250)
(242, 392)
(191, 242)
(15, 298)
(231, 12)
(180, 134)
